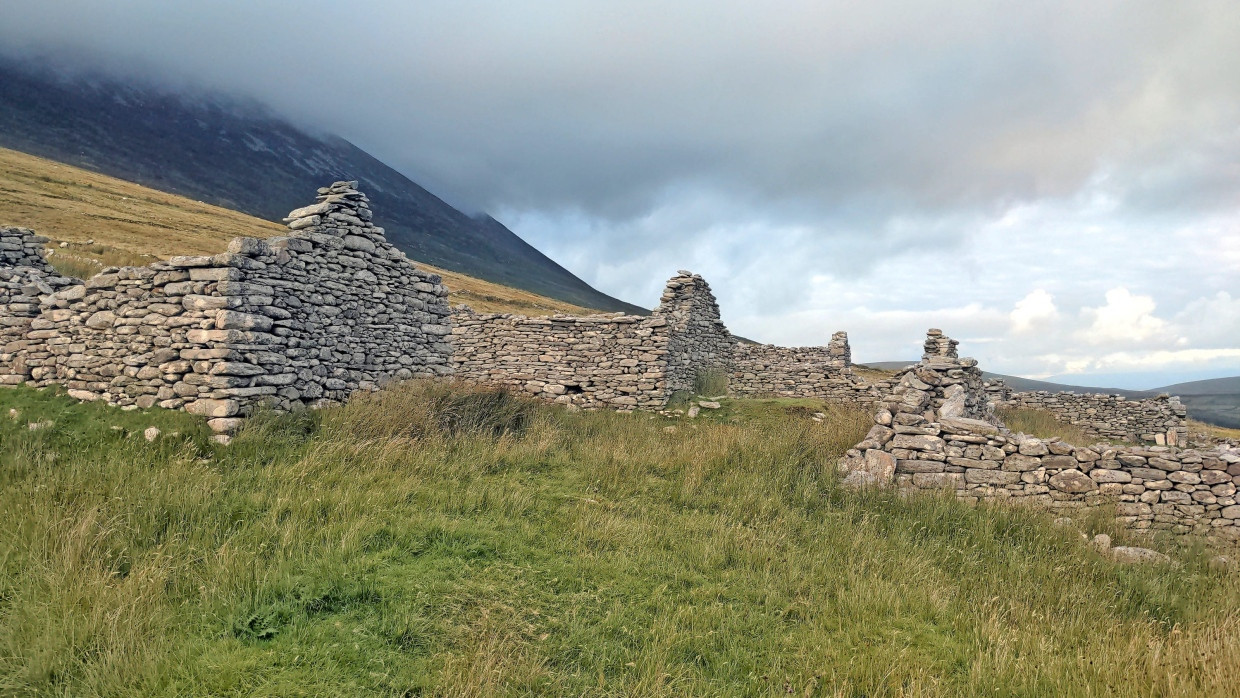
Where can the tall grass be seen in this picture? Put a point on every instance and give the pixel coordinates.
(383, 548)
(76, 267)
(710, 382)
(427, 409)
(1045, 425)
(1198, 429)
(84, 261)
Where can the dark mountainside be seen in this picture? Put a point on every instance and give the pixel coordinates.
(241, 158)
(1214, 401)
(1210, 386)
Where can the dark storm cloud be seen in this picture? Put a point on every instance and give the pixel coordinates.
(808, 110)
(813, 159)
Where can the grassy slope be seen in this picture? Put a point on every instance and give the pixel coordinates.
(131, 224)
(1207, 430)
(593, 554)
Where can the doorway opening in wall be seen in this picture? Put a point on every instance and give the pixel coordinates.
(710, 381)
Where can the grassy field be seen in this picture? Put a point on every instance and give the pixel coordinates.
(109, 221)
(434, 540)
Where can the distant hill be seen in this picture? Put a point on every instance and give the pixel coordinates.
(240, 157)
(1212, 386)
(1029, 384)
(1214, 401)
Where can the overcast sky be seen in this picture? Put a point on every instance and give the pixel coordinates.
(1056, 184)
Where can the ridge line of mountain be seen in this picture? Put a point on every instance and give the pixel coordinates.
(216, 149)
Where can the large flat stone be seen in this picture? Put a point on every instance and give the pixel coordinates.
(991, 477)
(918, 442)
(965, 425)
(213, 408)
(1073, 482)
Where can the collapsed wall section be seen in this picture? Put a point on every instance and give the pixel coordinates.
(1161, 420)
(936, 432)
(329, 309)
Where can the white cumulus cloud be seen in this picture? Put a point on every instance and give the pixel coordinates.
(1126, 317)
(1037, 308)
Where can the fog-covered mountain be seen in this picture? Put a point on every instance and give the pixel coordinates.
(240, 156)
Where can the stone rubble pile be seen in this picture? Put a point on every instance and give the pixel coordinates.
(937, 432)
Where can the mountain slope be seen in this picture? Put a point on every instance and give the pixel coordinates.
(1210, 386)
(238, 157)
(104, 221)
(1215, 400)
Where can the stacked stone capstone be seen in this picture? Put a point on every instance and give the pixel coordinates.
(937, 432)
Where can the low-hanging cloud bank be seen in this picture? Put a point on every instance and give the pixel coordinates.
(1025, 174)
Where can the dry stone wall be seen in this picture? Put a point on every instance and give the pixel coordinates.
(593, 361)
(619, 361)
(1161, 420)
(634, 362)
(698, 342)
(936, 431)
(25, 277)
(333, 308)
(21, 248)
(289, 321)
(766, 370)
